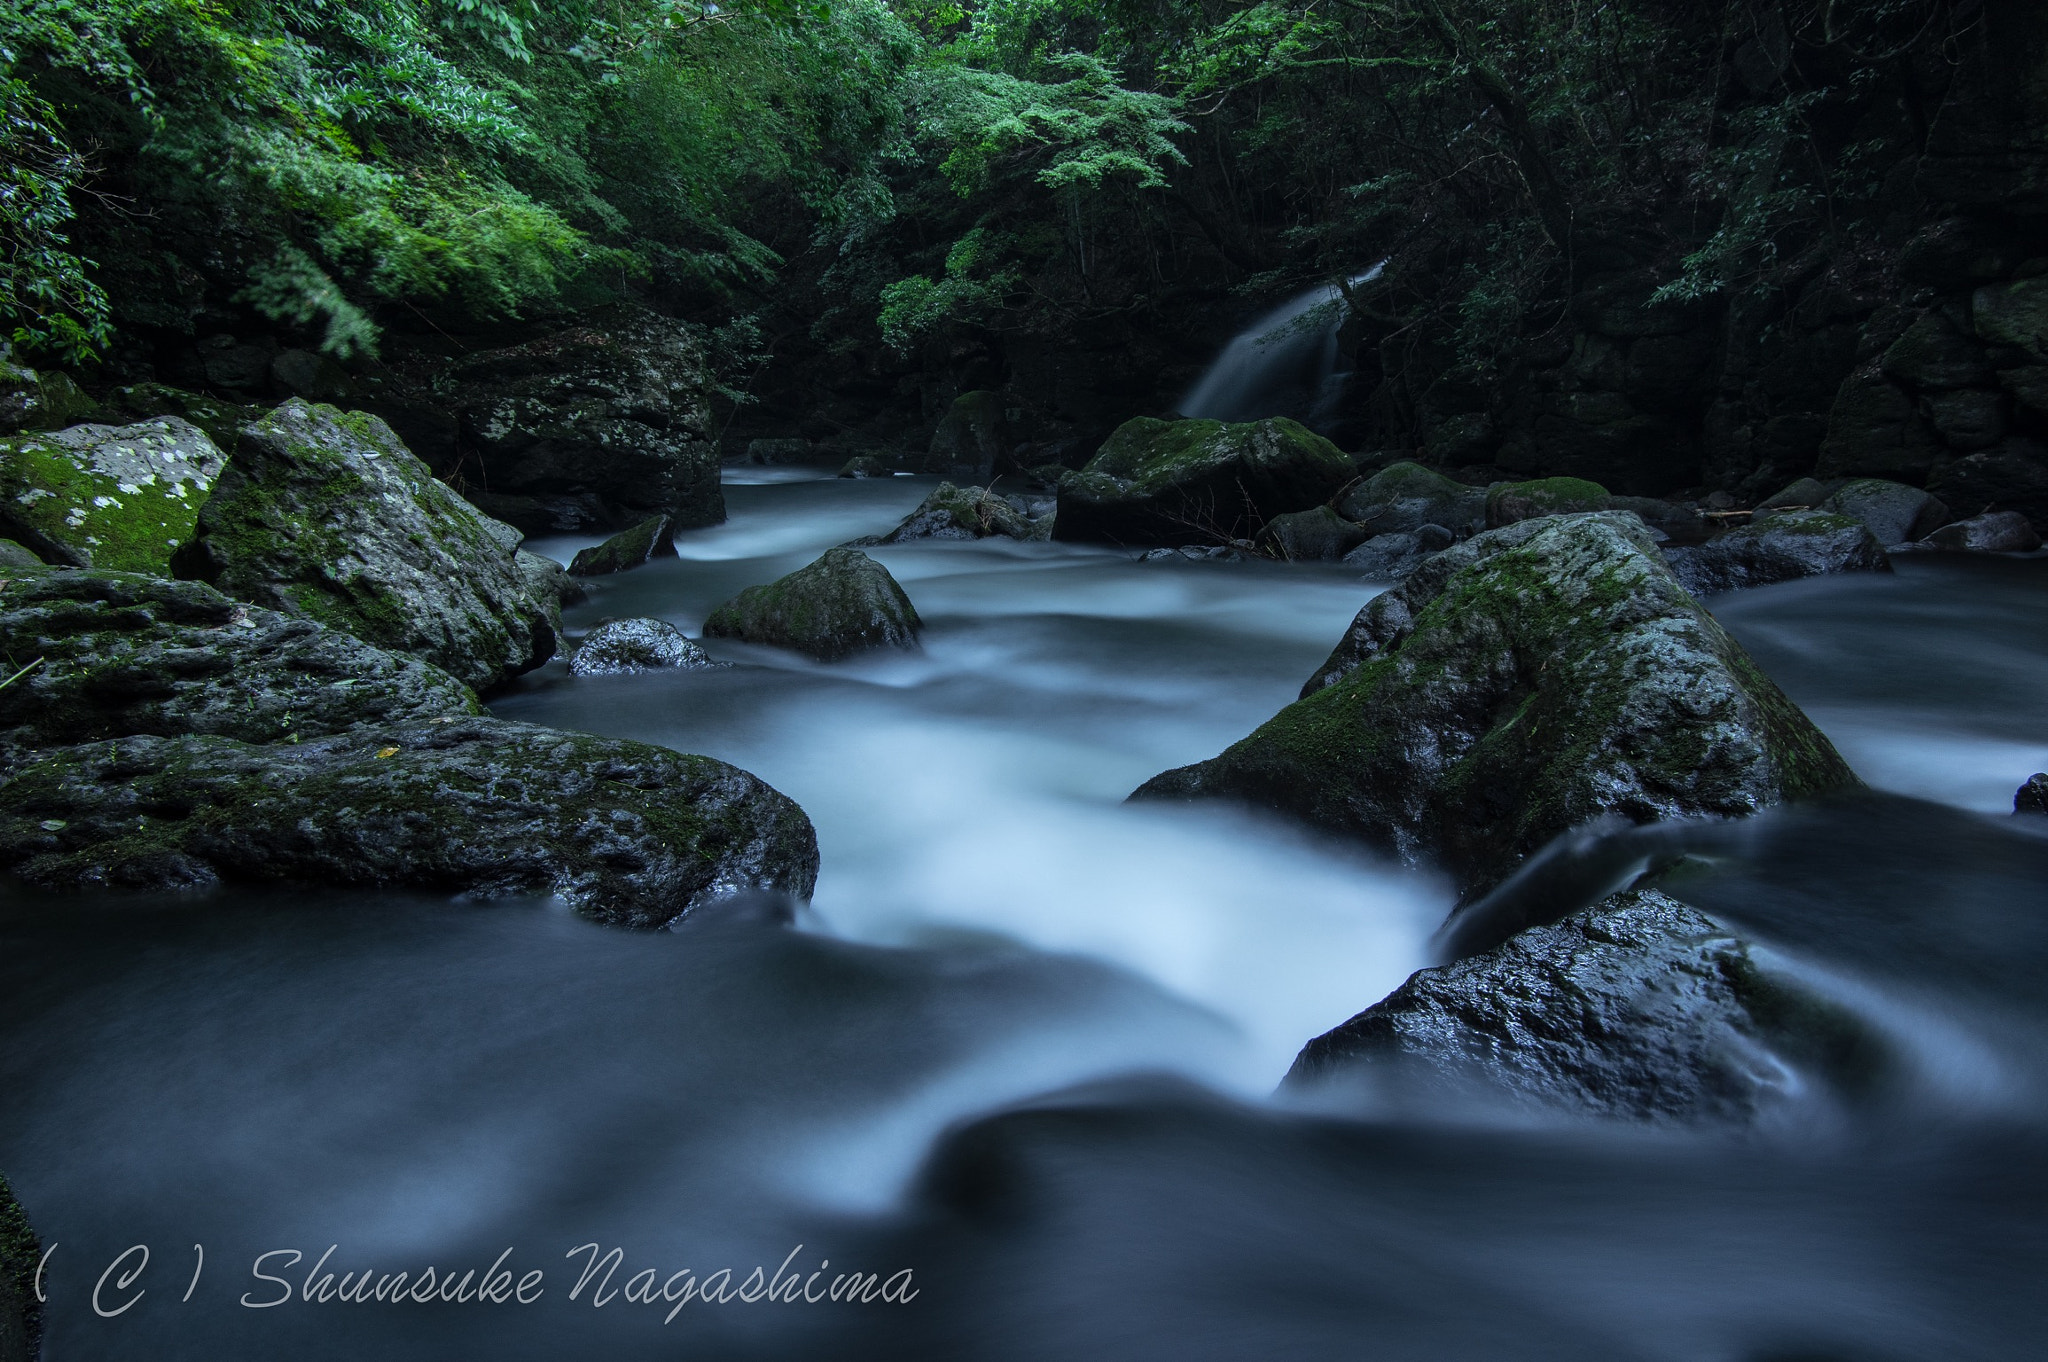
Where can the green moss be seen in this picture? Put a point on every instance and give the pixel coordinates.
(1544, 496)
(124, 499)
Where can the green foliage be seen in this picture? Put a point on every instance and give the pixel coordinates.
(45, 288)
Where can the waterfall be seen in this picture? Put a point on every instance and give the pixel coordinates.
(1283, 364)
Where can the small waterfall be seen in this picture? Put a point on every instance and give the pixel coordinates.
(1283, 364)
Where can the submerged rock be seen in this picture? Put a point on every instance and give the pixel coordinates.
(122, 497)
(842, 604)
(124, 655)
(1511, 502)
(1640, 1009)
(1997, 532)
(866, 466)
(629, 834)
(1162, 483)
(1779, 548)
(650, 539)
(21, 1315)
(963, 513)
(1404, 497)
(1390, 557)
(1515, 686)
(327, 515)
(1315, 536)
(1894, 512)
(618, 647)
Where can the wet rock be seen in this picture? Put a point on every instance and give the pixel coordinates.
(1993, 532)
(1315, 536)
(963, 513)
(1407, 496)
(551, 585)
(842, 604)
(2032, 796)
(1894, 512)
(2014, 314)
(1779, 548)
(1391, 557)
(1167, 482)
(1508, 503)
(326, 515)
(866, 466)
(650, 539)
(1198, 553)
(13, 555)
(124, 654)
(21, 1316)
(123, 497)
(1639, 1009)
(1670, 522)
(46, 399)
(1875, 430)
(1516, 686)
(621, 647)
(2011, 477)
(629, 834)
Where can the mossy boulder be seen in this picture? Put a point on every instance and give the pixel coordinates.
(326, 515)
(21, 1315)
(123, 655)
(1639, 1009)
(1318, 535)
(618, 647)
(45, 399)
(963, 513)
(844, 603)
(1404, 497)
(1165, 483)
(222, 421)
(122, 497)
(1508, 503)
(1779, 548)
(652, 538)
(13, 555)
(2011, 477)
(1894, 512)
(1514, 687)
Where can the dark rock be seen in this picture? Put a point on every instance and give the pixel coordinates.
(315, 377)
(222, 421)
(1875, 430)
(1516, 686)
(1407, 496)
(1807, 494)
(2011, 477)
(1639, 1009)
(21, 1254)
(2014, 314)
(125, 654)
(550, 584)
(46, 399)
(1779, 548)
(620, 647)
(630, 834)
(123, 497)
(13, 555)
(1670, 522)
(1198, 553)
(1958, 252)
(1508, 503)
(842, 604)
(1391, 557)
(975, 436)
(1894, 512)
(327, 515)
(963, 513)
(866, 466)
(239, 365)
(1993, 532)
(650, 539)
(1166, 482)
(2029, 389)
(1314, 536)
(781, 452)
(2032, 796)
(1969, 420)
(1933, 354)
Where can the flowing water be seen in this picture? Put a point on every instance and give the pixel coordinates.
(1024, 1041)
(1283, 364)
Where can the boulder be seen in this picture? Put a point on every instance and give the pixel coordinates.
(1806, 494)
(962, 513)
(1638, 1009)
(621, 647)
(1992, 532)
(13, 555)
(21, 1315)
(780, 452)
(975, 436)
(842, 604)
(866, 466)
(2014, 314)
(1511, 502)
(222, 421)
(650, 539)
(2011, 477)
(1314, 536)
(1515, 686)
(46, 399)
(1968, 420)
(1164, 483)
(1779, 548)
(2032, 796)
(124, 655)
(1671, 522)
(311, 375)
(1894, 512)
(2028, 387)
(1391, 557)
(123, 497)
(1875, 430)
(1934, 354)
(1407, 496)
(550, 584)
(326, 515)
(627, 833)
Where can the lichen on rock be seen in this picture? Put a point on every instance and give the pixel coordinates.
(619, 647)
(121, 497)
(1779, 548)
(952, 512)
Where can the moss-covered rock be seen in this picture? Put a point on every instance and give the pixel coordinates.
(1894, 512)
(1510, 502)
(1639, 1009)
(630, 834)
(21, 1315)
(975, 436)
(326, 515)
(13, 555)
(2011, 477)
(122, 497)
(123, 654)
(1404, 497)
(46, 399)
(618, 647)
(963, 513)
(1779, 548)
(842, 604)
(1318, 535)
(652, 538)
(1165, 483)
(1514, 687)
(222, 421)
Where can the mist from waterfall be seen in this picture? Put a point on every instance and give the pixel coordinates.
(1283, 364)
